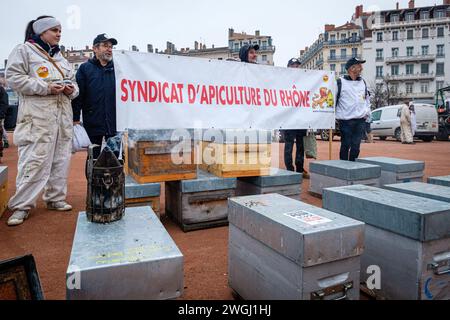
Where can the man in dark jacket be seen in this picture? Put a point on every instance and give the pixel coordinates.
(97, 99)
(4, 104)
(249, 53)
(295, 136)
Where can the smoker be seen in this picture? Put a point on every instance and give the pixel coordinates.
(105, 201)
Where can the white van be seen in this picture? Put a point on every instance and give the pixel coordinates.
(386, 122)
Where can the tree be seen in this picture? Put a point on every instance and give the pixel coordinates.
(385, 93)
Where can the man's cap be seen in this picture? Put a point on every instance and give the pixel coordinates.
(293, 61)
(104, 38)
(253, 46)
(354, 61)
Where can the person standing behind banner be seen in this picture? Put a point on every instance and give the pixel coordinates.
(352, 109)
(295, 136)
(97, 99)
(45, 82)
(249, 53)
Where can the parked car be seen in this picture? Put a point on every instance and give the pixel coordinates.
(386, 122)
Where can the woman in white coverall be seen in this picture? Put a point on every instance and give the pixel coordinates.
(46, 85)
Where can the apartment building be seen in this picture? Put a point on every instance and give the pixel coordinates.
(408, 50)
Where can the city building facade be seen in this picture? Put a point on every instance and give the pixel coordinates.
(409, 50)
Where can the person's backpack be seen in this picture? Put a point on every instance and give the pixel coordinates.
(339, 85)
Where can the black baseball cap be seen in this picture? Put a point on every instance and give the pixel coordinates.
(104, 38)
(293, 61)
(354, 61)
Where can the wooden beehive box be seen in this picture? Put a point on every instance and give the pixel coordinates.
(154, 156)
(236, 153)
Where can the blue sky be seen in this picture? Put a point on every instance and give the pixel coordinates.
(293, 24)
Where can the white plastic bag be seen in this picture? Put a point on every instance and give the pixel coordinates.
(80, 140)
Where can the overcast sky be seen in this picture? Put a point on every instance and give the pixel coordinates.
(293, 24)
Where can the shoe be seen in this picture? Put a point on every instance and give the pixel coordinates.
(18, 218)
(59, 206)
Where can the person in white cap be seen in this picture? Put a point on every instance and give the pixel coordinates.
(45, 82)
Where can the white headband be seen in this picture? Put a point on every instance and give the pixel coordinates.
(42, 25)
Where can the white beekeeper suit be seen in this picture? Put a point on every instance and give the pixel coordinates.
(44, 126)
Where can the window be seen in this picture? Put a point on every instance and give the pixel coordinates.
(344, 53)
(409, 69)
(343, 70)
(236, 46)
(440, 50)
(395, 52)
(425, 33)
(395, 18)
(439, 85)
(264, 45)
(379, 54)
(440, 14)
(354, 36)
(410, 51)
(394, 70)
(264, 57)
(440, 32)
(332, 54)
(376, 116)
(333, 38)
(379, 36)
(332, 67)
(424, 15)
(425, 50)
(343, 36)
(409, 88)
(410, 16)
(424, 68)
(354, 52)
(395, 35)
(410, 34)
(379, 72)
(440, 69)
(424, 87)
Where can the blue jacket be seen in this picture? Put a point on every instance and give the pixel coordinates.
(97, 99)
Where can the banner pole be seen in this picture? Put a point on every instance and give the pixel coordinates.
(330, 144)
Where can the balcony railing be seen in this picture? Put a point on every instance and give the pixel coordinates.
(415, 58)
(414, 76)
(412, 23)
(343, 58)
(343, 41)
(261, 48)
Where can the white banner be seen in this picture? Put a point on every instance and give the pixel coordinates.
(156, 91)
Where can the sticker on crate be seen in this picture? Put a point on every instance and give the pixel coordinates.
(308, 218)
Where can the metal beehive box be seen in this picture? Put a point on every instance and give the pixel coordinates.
(420, 189)
(415, 217)
(132, 259)
(440, 181)
(281, 248)
(337, 173)
(395, 170)
(279, 181)
(134, 190)
(200, 203)
(345, 170)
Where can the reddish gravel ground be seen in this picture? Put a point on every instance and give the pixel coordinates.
(48, 235)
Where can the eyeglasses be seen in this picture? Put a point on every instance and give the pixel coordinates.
(107, 46)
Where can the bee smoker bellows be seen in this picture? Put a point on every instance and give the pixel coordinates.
(106, 188)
